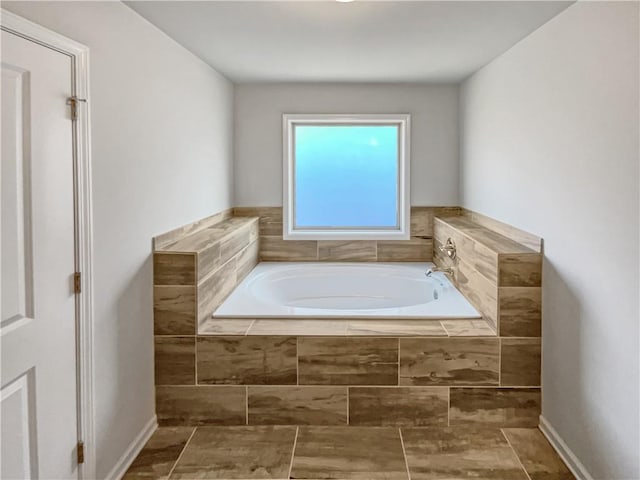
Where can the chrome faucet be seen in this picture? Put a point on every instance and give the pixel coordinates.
(448, 271)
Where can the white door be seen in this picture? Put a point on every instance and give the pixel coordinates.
(38, 324)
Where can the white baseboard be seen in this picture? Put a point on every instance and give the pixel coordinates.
(575, 465)
(132, 451)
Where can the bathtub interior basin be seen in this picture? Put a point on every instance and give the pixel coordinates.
(326, 290)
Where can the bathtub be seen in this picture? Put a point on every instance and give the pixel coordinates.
(354, 290)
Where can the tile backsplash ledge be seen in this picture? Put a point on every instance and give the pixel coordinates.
(273, 248)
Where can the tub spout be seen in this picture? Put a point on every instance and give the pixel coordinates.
(448, 271)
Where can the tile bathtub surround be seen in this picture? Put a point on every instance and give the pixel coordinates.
(499, 407)
(432, 453)
(194, 273)
(174, 269)
(201, 405)
(520, 361)
(418, 248)
(346, 380)
(347, 361)
(224, 326)
(175, 310)
(345, 327)
(215, 288)
(297, 405)
(247, 360)
(164, 239)
(306, 327)
(449, 361)
(500, 276)
(361, 251)
(404, 406)
(520, 311)
(527, 239)
(392, 328)
(468, 328)
(175, 360)
(349, 372)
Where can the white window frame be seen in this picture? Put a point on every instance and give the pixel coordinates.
(399, 232)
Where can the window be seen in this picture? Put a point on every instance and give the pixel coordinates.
(346, 177)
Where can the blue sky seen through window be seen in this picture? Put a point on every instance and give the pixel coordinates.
(346, 175)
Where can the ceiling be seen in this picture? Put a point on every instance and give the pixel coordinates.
(362, 41)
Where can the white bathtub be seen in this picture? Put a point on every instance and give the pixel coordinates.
(354, 290)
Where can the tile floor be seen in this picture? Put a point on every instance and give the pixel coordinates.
(364, 453)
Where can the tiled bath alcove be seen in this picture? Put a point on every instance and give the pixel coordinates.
(340, 372)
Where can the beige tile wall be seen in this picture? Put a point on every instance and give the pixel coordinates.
(447, 372)
(499, 276)
(167, 238)
(418, 248)
(194, 273)
(305, 380)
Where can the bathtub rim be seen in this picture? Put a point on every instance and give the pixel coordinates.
(363, 314)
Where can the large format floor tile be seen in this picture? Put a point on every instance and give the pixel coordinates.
(459, 453)
(538, 458)
(159, 455)
(365, 453)
(237, 453)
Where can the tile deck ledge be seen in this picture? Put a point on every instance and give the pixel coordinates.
(341, 327)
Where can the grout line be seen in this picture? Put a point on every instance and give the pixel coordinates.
(246, 332)
(444, 328)
(357, 385)
(293, 451)
(332, 385)
(195, 359)
(181, 452)
(448, 406)
(398, 361)
(499, 361)
(404, 454)
(515, 453)
(498, 311)
(246, 404)
(348, 396)
(297, 361)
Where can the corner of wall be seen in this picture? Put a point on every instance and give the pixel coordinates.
(132, 450)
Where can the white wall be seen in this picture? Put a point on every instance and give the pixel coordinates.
(258, 133)
(162, 149)
(550, 145)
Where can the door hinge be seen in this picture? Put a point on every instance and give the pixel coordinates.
(73, 102)
(77, 282)
(80, 450)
